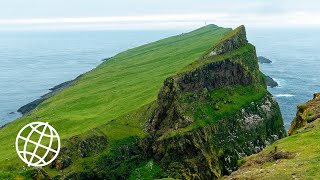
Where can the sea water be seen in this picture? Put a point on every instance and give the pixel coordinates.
(295, 54)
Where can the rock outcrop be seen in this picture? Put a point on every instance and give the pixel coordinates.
(263, 60)
(79, 147)
(209, 77)
(308, 116)
(271, 82)
(209, 150)
(25, 109)
(212, 151)
(232, 41)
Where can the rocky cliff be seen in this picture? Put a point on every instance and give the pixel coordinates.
(293, 157)
(206, 117)
(201, 126)
(232, 41)
(308, 116)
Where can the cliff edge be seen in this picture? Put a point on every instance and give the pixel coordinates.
(214, 112)
(293, 157)
(308, 115)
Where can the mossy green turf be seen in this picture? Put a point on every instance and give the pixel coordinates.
(304, 165)
(229, 101)
(123, 84)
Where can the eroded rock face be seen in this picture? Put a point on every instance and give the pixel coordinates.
(308, 115)
(271, 82)
(263, 60)
(40, 174)
(63, 160)
(240, 69)
(79, 147)
(231, 42)
(217, 75)
(211, 151)
(91, 145)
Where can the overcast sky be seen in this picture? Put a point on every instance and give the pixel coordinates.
(156, 14)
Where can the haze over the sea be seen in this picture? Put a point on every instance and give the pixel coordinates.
(156, 14)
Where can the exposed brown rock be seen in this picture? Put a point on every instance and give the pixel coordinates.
(40, 174)
(234, 40)
(168, 115)
(308, 115)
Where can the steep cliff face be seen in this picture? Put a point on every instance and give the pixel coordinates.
(214, 112)
(308, 115)
(232, 41)
(214, 150)
(293, 157)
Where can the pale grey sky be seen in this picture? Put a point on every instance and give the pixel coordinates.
(155, 14)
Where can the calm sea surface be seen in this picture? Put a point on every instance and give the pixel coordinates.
(33, 62)
(296, 65)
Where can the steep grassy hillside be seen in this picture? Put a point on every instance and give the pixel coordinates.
(293, 157)
(124, 84)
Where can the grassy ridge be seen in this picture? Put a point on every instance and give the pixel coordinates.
(123, 84)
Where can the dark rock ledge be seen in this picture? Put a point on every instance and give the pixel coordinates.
(271, 82)
(263, 60)
(53, 91)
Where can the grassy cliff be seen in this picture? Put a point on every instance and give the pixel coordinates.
(190, 106)
(122, 85)
(213, 112)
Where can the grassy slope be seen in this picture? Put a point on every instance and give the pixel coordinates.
(123, 84)
(304, 165)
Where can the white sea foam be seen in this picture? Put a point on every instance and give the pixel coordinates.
(284, 95)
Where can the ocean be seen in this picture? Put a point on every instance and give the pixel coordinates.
(33, 62)
(295, 54)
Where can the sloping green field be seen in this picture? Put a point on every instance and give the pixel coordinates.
(123, 84)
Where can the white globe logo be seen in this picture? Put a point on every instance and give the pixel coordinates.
(29, 147)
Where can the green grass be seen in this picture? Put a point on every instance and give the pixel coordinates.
(115, 88)
(238, 96)
(230, 34)
(304, 165)
(147, 171)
